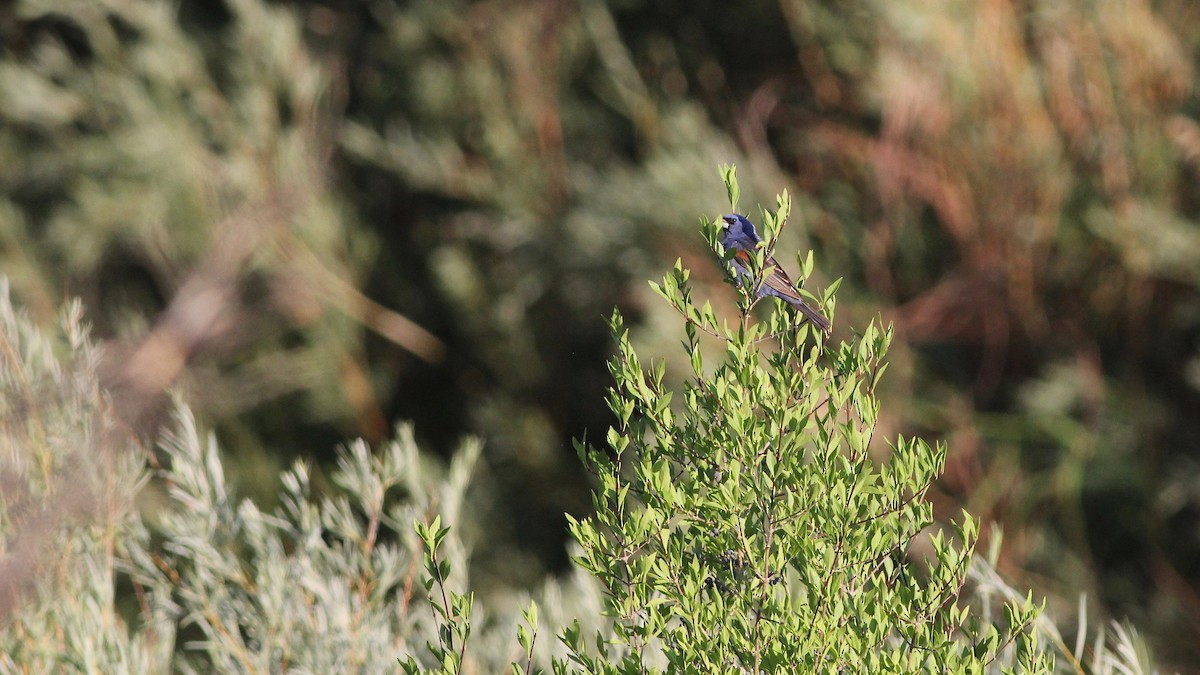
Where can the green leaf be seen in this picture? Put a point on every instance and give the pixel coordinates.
(729, 176)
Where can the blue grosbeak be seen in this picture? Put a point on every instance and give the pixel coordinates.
(738, 236)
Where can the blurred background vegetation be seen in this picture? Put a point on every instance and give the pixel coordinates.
(316, 219)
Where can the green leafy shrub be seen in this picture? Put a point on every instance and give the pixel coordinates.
(751, 529)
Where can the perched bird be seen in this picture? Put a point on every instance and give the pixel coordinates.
(738, 235)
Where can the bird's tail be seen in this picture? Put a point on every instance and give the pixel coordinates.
(818, 319)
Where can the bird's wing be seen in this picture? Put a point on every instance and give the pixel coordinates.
(781, 283)
(777, 282)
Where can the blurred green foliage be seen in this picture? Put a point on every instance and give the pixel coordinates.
(336, 215)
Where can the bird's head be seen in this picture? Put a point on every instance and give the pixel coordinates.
(738, 232)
